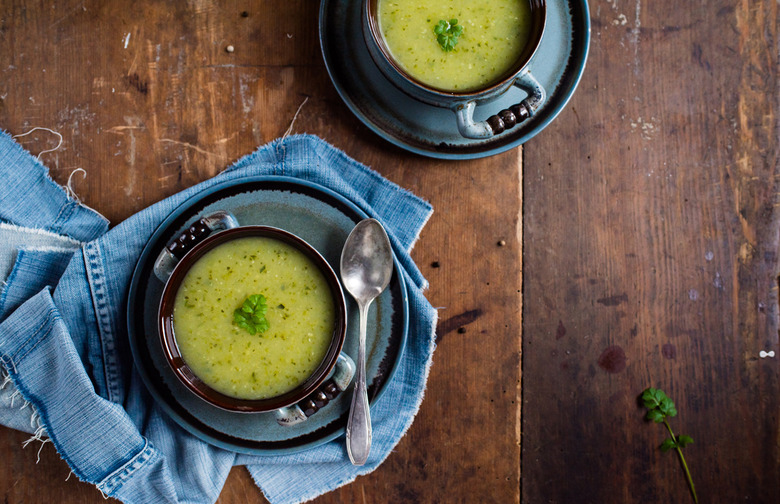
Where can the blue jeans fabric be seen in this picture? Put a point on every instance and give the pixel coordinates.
(67, 370)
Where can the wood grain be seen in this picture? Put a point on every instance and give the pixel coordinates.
(642, 222)
(651, 260)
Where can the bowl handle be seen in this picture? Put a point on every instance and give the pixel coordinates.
(200, 229)
(339, 380)
(505, 119)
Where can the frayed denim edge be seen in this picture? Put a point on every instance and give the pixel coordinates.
(114, 481)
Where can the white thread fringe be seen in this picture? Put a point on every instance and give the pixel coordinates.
(13, 398)
(35, 419)
(40, 432)
(292, 123)
(59, 144)
(71, 194)
(9, 361)
(6, 379)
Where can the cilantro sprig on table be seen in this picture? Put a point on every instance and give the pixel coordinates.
(660, 408)
(447, 33)
(250, 316)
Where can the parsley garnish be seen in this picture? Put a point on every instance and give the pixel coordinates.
(660, 408)
(251, 314)
(447, 33)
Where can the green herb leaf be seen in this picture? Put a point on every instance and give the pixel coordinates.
(667, 407)
(250, 316)
(447, 33)
(683, 440)
(652, 398)
(660, 407)
(655, 415)
(667, 445)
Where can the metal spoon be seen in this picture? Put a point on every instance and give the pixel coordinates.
(366, 267)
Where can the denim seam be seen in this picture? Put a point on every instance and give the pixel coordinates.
(280, 153)
(97, 283)
(36, 337)
(114, 481)
(9, 281)
(12, 362)
(62, 216)
(52, 317)
(43, 413)
(8, 360)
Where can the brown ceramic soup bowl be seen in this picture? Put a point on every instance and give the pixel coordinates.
(206, 238)
(464, 103)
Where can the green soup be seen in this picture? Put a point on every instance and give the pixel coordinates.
(494, 34)
(301, 318)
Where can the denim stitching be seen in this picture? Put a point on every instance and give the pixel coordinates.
(11, 364)
(284, 156)
(8, 364)
(36, 342)
(98, 289)
(57, 218)
(20, 351)
(9, 281)
(113, 482)
(52, 317)
(44, 417)
(63, 216)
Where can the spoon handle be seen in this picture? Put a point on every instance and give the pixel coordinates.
(359, 423)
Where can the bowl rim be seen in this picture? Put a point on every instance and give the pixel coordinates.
(182, 370)
(538, 10)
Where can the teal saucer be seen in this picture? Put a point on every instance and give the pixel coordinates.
(431, 131)
(323, 219)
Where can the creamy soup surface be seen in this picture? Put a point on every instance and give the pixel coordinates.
(301, 317)
(494, 34)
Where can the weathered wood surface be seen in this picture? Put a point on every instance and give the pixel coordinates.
(649, 235)
(149, 102)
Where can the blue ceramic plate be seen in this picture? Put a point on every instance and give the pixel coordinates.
(431, 131)
(322, 218)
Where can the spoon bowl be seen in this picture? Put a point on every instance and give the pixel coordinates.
(367, 261)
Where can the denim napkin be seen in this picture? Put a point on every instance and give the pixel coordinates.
(67, 374)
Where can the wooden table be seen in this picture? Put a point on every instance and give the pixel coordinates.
(640, 232)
